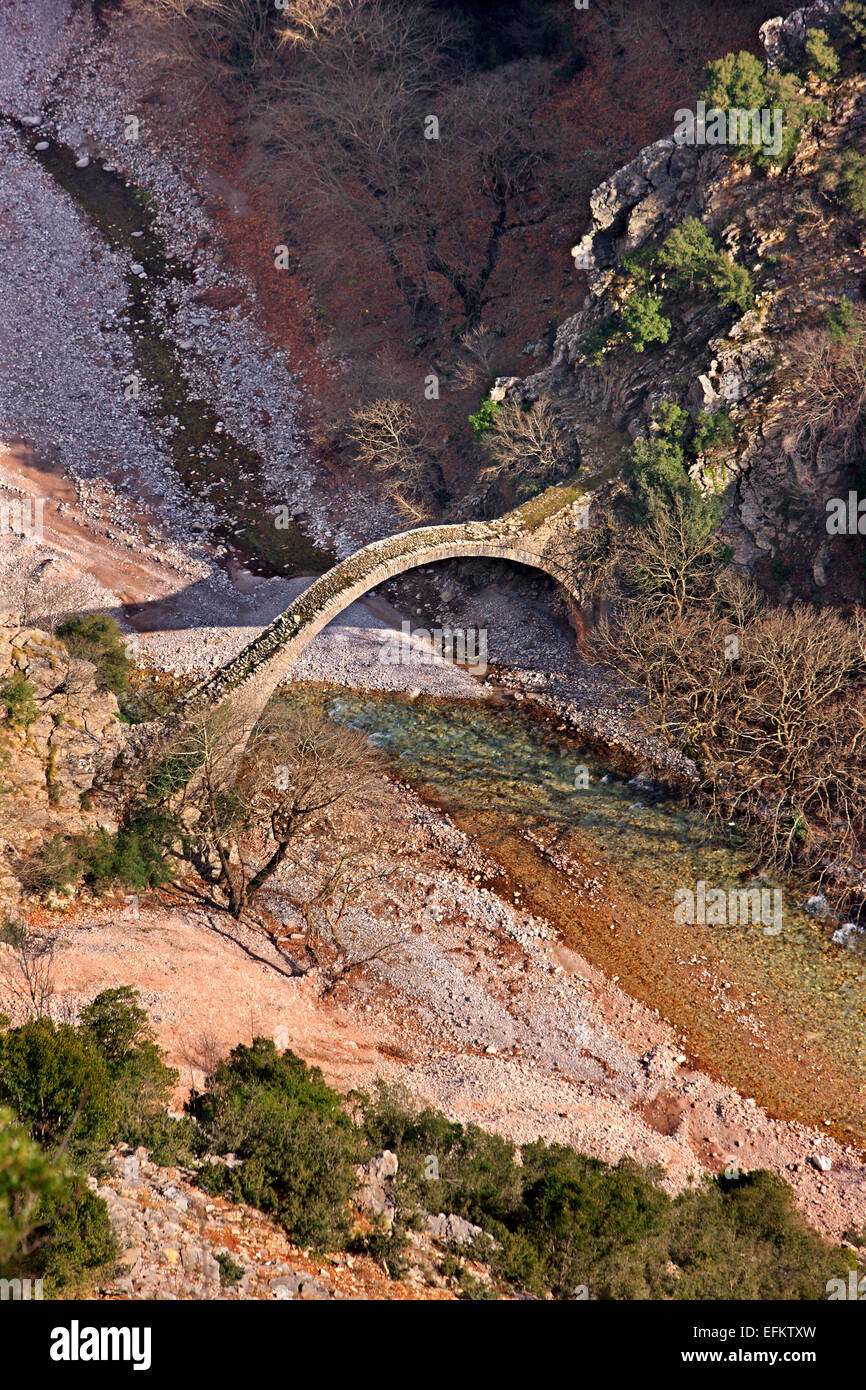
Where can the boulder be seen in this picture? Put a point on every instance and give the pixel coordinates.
(452, 1229)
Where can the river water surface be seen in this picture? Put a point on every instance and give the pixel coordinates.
(779, 1016)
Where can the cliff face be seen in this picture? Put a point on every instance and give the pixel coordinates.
(805, 252)
(58, 733)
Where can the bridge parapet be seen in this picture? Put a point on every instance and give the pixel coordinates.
(528, 536)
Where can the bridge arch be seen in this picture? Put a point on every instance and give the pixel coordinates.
(249, 679)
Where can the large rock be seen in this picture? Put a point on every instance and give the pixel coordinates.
(375, 1194)
(784, 39)
(452, 1229)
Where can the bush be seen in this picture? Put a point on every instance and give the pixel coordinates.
(597, 339)
(688, 253)
(78, 1245)
(96, 638)
(736, 80)
(745, 1239)
(141, 1082)
(18, 698)
(485, 416)
(296, 1143)
(712, 431)
(656, 469)
(843, 177)
(842, 321)
(559, 1218)
(58, 1085)
(134, 857)
(51, 1225)
(853, 17)
(739, 80)
(821, 56)
(27, 1177)
(732, 284)
(583, 1220)
(642, 320)
(692, 259)
(87, 1086)
(475, 1173)
(230, 1270)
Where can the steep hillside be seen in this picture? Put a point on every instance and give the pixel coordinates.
(782, 360)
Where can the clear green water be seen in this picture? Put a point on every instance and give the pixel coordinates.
(507, 770)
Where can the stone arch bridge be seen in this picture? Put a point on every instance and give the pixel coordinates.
(536, 534)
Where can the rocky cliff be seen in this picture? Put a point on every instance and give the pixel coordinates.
(804, 250)
(59, 731)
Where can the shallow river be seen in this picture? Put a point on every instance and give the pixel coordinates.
(779, 1013)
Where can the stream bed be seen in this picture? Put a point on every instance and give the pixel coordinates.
(215, 467)
(779, 1013)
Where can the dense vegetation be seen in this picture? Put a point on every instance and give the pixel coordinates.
(552, 1219)
(651, 283)
(96, 637)
(72, 1091)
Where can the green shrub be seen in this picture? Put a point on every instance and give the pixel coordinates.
(18, 698)
(746, 1239)
(28, 1176)
(597, 339)
(87, 1086)
(230, 1271)
(141, 1082)
(560, 1219)
(642, 320)
(474, 1171)
(582, 1219)
(671, 422)
(841, 320)
(77, 1243)
(843, 177)
(656, 470)
(732, 284)
(821, 56)
(96, 638)
(51, 1225)
(853, 28)
(134, 857)
(712, 431)
(58, 1085)
(688, 253)
(690, 256)
(485, 416)
(739, 80)
(736, 80)
(296, 1143)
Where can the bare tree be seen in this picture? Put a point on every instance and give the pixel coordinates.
(829, 399)
(32, 979)
(214, 37)
(477, 354)
(531, 444)
(674, 554)
(238, 826)
(345, 134)
(391, 437)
